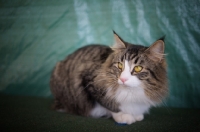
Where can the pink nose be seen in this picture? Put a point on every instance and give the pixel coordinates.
(123, 80)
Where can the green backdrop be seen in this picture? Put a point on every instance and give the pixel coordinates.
(35, 34)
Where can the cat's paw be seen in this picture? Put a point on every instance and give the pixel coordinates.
(123, 118)
(139, 117)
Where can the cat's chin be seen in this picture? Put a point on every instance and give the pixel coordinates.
(133, 82)
(125, 86)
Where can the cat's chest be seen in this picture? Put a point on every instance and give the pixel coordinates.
(132, 101)
(130, 95)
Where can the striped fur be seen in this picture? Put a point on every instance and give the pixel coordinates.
(89, 78)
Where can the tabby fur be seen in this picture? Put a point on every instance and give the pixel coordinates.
(87, 82)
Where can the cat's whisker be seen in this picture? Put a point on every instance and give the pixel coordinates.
(112, 88)
(156, 94)
(89, 84)
(82, 90)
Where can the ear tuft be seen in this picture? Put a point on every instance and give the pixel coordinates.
(162, 38)
(156, 50)
(118, 44)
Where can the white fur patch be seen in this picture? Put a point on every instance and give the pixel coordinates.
(132, 100)
(99, 111)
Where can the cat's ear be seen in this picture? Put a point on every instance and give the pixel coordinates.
(156, 50)
(118, 44)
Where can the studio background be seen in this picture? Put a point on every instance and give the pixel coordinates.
(35, 34)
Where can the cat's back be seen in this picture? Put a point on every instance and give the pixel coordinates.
(82, 61)
(90, 53)
(87, 57)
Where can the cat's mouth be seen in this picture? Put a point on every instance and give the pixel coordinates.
(123, 84)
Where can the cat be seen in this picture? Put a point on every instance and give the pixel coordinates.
(122, 81)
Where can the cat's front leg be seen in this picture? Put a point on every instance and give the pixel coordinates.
(121, 117)
(139, 117)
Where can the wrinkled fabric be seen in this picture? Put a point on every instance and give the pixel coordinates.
(35, 34)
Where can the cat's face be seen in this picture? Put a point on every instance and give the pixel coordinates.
(127, 76)
(138, 67)
(133, 66)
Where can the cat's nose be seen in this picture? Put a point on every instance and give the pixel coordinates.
(123, 79)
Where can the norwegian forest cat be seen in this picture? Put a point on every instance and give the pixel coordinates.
(122, 81)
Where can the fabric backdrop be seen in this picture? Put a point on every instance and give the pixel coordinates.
(35, 34)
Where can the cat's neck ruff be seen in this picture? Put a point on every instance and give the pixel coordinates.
(125, 94)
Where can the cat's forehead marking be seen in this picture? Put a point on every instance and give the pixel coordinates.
(130, 54)
(128, 65)
(126, 72)
(131, 65)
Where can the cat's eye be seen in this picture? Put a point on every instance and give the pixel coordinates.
(138, 68)
(120, 65)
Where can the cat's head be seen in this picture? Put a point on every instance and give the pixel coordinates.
(138, 67)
